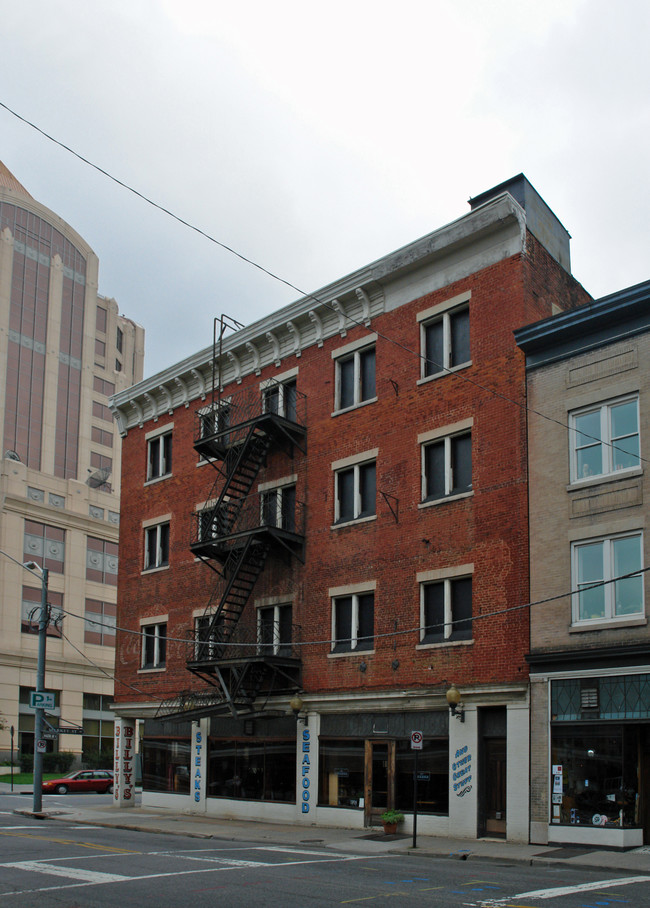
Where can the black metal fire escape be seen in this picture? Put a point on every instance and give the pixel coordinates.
(235, 533)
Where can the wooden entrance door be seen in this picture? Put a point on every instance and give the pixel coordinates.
(494, 786)
(379, 780)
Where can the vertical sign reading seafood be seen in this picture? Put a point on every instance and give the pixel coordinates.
(124, 768)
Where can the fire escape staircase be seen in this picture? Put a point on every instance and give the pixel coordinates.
(232, 535)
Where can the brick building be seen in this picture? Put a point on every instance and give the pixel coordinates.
(590, 649)
(324, 530)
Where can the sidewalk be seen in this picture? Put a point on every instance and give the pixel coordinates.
(359, 841)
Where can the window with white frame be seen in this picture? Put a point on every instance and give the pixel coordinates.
(215, 419)
(447, 466)
(605, 583)
(154, 645)
(353, 622)
(159, 456)
(446, 610)
(605, 439)
(280, 397)
(355, 378)
(208, 634)
(278, 507)
(274, 629)
(156, 546)
(445, 341)
(355, 492)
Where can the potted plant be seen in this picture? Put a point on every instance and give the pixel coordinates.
(391, 819)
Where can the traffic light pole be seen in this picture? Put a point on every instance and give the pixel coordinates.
(40, 687)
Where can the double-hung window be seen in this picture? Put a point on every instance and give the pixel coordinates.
(604, 579)
(274, 628)
(446, 610)
(444, 337)
(446, 461)
(353, 622)
(355, 374)
(159, 456)
(355, 490)
(278, 507)
(280, 397)
(605, 439)
(156, 546)
(154, 645)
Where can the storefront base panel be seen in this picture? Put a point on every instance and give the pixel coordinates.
(538, 833)
(166, 801)
(226, 809)
(598, 838)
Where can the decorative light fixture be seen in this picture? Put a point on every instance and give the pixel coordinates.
(456, 706)
(296, 703)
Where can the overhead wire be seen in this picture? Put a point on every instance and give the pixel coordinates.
(307, 295)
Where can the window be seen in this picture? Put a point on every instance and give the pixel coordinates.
(355, 378)
(119, 340)
(159, 456)
(100, 411)
(214, 420)
(118, 365)
(278, 508)
(101, 319)
(355, 492)
(102, 437)
(207, 637)
(156, 546)
(445, 342)
(101, 561)
(274, 624)
(100, 622)
(104, 387)
(280, 398)
(447, 466)
(31, 612)
(98, 729)
(446, 610)
(101, 467)
(100, 348)
(600, 562)
(605, 439)
(154, 645)
(353, 622)
(45, 545)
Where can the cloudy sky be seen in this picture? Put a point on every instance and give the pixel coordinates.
(315, 138)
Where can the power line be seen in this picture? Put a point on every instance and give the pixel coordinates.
(356, 322)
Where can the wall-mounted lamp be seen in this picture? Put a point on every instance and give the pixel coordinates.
(456, 706)
(296, 703)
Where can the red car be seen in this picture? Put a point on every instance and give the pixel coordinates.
(100, 780)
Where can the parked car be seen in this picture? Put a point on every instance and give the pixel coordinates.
(100, 780)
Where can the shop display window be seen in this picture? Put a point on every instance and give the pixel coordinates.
(433, 776)
(341, 774)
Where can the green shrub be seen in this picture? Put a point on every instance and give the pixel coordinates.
(54, 762)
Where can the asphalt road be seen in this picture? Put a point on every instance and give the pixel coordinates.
(54, 864)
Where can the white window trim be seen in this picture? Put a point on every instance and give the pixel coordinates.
(159, 430)
(610, 620)
(354, 591)
(605, 436)
(355, 463)
(157, 525)
(279, 379)
(352, 349)
(155, 435)
(441, 313)
(278, 483)
(438, 435)
(152, 622)
(446, 576)
(276, 644)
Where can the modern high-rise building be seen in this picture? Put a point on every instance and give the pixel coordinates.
(64, 350)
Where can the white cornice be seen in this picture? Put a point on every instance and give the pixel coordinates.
(353, 300)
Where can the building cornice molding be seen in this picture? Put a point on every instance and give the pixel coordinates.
(353, 301)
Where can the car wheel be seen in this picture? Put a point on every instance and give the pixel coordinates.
(109, 790)
(62, 789)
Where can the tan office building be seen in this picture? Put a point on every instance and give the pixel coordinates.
(64, 350)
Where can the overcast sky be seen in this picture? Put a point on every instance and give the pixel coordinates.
(315, 138)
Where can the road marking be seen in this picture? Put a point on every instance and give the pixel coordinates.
(44, 838)
(565, 890)
(74, 873)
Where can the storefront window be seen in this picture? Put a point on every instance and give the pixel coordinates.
(253, 770)
(341, 773)
(594, 781)
(433, 776)
(166, 765)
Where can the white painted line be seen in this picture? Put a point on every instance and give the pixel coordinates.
(566, 890)
(74, 873)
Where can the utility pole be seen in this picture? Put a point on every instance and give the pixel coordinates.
(43, 622)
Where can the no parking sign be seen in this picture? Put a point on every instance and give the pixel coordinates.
(416, 740)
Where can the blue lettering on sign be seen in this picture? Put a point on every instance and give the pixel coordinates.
(462, 771)
(198, 742)
(306, 769)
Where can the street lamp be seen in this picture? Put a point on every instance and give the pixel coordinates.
(40, 684)
(456, 706)
(43, 622)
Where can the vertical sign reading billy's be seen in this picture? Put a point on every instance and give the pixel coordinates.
(124, 768)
